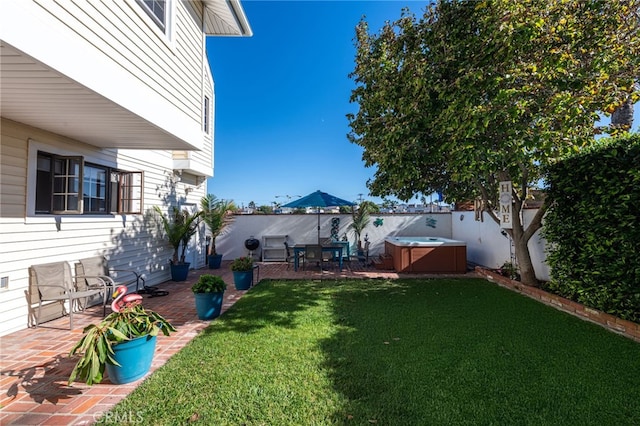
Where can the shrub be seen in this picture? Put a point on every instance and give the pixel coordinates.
(208, 283)
(592, 227)
(244, 263)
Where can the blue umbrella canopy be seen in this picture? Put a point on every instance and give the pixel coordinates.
(318, 199)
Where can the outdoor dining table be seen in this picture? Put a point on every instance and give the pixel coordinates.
(336, 249)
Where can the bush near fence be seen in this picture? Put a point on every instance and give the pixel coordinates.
(593, 227)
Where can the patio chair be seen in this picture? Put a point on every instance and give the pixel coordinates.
(53, 283)
(98, 266)
(330, 258)
(313, 253)
(291, 257)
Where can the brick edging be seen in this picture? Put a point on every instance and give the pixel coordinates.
(626, 328)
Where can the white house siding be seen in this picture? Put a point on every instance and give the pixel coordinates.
(201, 161)
(129, 241)
(207, 155)
(114, 59)
(158, 77)
(113, 49)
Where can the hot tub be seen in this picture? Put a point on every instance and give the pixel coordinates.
(434, 255)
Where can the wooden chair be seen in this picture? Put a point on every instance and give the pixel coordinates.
(53, 283)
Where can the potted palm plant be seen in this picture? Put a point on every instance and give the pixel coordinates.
(217, 215)
(209, 294)
(122, 343)
(359, 220)
(179, 226)
(242, 268)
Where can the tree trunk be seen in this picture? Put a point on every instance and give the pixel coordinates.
(521, 237)
(520, 240)
(525, 265)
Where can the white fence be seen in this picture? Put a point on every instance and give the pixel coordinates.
(486, 245)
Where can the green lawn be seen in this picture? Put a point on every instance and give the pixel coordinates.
(405, 352)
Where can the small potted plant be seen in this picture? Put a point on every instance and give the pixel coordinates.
(217, 215)
(242, 268)
(123, 343)
(209, 294)
(179, 226)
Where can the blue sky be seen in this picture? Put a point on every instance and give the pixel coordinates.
(282, 97)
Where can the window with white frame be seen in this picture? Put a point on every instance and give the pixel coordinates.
(158, 11)
(68, 185)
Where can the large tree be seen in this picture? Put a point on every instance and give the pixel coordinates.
(477, 92)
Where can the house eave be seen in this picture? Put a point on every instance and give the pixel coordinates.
(225, 18)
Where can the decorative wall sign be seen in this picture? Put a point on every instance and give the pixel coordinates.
(431, 222)
(506, 211)
(378, 222)
(335, 227)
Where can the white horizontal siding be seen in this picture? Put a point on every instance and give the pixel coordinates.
(111, 48)
(129, 241)
(115, 48)
(13, 182)
(206, 155)
(119, 31)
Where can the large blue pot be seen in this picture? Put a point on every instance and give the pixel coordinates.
(215, 260)
(134, 357)
(242, 279)
(180, 271)
(209, 305)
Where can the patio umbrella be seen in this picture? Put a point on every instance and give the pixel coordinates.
(318, 199)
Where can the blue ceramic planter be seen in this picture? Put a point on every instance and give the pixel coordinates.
(134, 357)
(180, 271)
(215, 260)
(209, 305)
(242, 279)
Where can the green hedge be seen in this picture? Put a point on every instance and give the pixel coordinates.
(593, 227)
